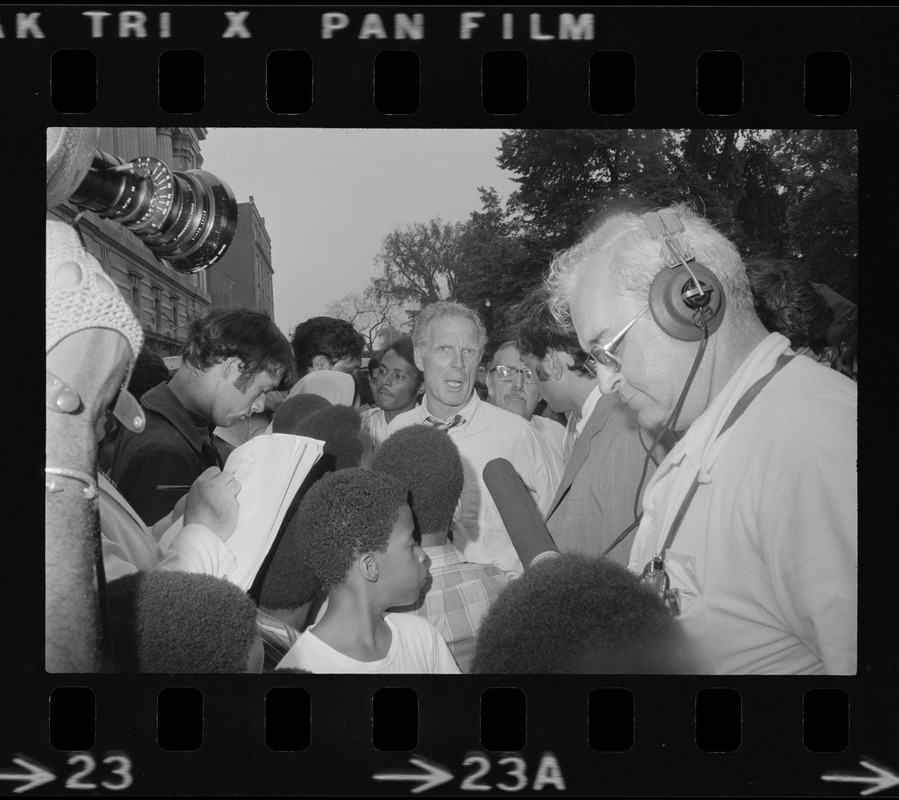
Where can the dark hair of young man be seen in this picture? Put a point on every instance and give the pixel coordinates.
(537, 331)
(251, 336)
(324, 336)
(404, 348)
(149, 371)
(786, 301)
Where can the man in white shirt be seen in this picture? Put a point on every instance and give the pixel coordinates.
(762, 561)
(599, 491)
(449, 340)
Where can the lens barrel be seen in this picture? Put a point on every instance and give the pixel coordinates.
(187, 218)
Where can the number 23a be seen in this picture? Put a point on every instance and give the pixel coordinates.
(547, 773)
(122, 770)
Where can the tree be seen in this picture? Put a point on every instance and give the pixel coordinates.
(822, 213)
(371, 312)
(419, 261)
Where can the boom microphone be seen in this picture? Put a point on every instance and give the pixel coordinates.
(523, 521)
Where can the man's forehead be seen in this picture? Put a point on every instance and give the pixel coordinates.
(509, 356)
(593, 301)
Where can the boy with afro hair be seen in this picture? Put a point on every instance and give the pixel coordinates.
(459, 592)
(358, 537)
(576, 614)
(182, 622)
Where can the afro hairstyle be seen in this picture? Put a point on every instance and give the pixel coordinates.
(343, 515)
(294, 410)
(427, 461)
(574, 614)
(180, 622)
(337, 426)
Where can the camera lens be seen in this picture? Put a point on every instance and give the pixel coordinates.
(187, 218)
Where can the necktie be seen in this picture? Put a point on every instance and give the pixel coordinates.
(570, 434)
(445, 426)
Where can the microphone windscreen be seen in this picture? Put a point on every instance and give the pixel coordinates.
(519, 513)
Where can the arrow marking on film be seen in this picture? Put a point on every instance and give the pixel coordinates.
(433, 775)
(881, 779)
(35, 776)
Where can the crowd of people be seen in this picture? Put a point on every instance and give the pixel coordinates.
(682, 423)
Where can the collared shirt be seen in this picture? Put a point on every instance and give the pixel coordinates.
(489, 432)
(767, 554)
(458, 598)
(578, 419)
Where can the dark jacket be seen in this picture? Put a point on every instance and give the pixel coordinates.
(173, 449)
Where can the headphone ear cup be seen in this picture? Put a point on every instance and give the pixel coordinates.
(671, 309)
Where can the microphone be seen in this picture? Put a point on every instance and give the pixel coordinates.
(519, 513)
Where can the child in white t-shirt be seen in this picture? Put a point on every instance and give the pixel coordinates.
(358, 537)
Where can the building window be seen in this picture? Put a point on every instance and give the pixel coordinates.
(135, 293)
(157, 308)
(175, 325)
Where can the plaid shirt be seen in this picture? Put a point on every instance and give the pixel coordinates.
(459, 596)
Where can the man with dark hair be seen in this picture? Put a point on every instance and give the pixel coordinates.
(320, 343)
(597, 496)
(326, 343)
(459, 592)
(231, 359)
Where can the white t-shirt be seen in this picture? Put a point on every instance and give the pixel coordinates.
(415, 648)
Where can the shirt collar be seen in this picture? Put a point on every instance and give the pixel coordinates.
(467, 411)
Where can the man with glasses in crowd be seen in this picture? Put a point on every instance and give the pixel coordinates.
(512, 385)
(598, 495)
(750, 523)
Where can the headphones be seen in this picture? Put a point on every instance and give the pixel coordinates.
(683, 294)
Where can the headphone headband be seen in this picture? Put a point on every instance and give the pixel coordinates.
(684, 298)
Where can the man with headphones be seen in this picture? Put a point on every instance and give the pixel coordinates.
(749, 527)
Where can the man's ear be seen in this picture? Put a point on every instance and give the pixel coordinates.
(231, 367)
(368, 567)
(553, 365)
(419, 362)
(320, 362)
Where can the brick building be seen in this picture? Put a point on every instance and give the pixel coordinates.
(243, 276)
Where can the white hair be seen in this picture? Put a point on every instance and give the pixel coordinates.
(623, 241)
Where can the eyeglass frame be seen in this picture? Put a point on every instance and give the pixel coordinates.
(525, 371)
(608, 359)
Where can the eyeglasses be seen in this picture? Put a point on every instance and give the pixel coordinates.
(508, 373)
(604, 354)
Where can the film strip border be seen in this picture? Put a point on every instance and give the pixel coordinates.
(337, 735)
(498, 66)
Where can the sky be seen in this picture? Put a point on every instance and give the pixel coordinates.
(329, 196)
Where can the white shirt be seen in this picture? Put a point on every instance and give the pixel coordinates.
(487, 433)
(374, 421)
(766, 557)
(577, 420)
(416, 648)
(553, 433)
(129, 546)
